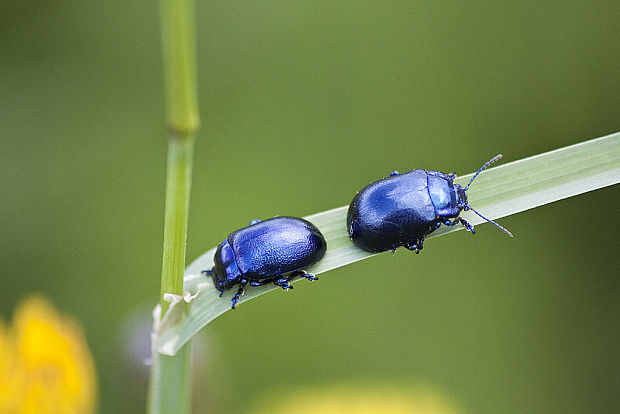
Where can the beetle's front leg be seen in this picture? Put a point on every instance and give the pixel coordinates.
(462, 221)
(467, 225)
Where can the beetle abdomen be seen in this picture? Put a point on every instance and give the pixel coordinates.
(391, 212)
(276, 246)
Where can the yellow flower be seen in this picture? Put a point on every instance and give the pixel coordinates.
(45, 365)
(360, 399)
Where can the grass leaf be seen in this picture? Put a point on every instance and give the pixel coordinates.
(497, 192)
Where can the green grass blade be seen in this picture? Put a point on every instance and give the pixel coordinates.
(497, 192)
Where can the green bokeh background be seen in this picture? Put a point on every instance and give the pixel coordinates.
(303, 103)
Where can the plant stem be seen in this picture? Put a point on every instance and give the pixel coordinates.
(178, 184)
(170, 383)
(177, 27)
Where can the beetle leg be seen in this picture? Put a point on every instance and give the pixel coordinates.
(415, 245)
(283, 283)
(303, 273)
(207, 272)
(462, 221)
(243, 282)
(451, 223)
(393, 173)
(240, 292)
(468, 226)
(420, 245)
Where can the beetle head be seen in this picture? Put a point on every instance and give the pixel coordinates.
(225, 273)
(461, 197)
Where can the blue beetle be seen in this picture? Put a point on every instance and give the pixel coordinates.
(270, 251)
(401, 210)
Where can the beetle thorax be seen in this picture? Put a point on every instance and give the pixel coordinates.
(444, 195)
(225, 272)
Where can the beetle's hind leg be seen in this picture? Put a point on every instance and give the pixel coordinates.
(283, 283)
(415, 245)
(240, 292)
(302, 273)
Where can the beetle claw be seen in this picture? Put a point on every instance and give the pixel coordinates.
(302, 273)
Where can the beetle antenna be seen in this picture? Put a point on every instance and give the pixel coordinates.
(492, 222)
(491, 161)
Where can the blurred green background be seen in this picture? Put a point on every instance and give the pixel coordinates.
(303, 103)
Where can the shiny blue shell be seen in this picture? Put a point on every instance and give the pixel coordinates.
(401, 209)
(263, 251)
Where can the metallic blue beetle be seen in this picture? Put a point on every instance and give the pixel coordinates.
(271, 251)
(401, 210)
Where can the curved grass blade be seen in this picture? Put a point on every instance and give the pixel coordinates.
(497, 192)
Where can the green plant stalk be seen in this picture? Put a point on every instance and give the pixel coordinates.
(178, 184)
(170, 382)
(178, 47)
